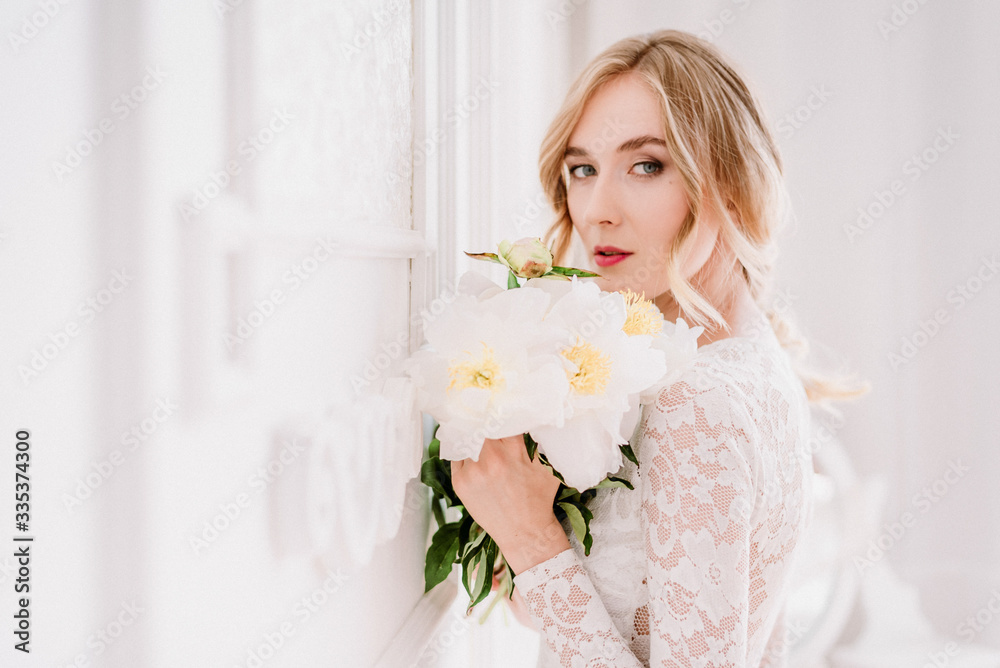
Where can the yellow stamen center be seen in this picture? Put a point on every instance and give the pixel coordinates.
(482, 372)
(641, 315)
(593, 368)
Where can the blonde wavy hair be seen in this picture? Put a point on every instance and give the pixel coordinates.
(726, 156)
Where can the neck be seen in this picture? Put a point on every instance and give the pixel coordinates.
(730, 296)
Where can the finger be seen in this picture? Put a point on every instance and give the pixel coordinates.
(513, 447)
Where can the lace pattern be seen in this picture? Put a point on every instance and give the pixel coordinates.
(689, 568)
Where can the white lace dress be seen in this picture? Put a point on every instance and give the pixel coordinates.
(690, 568)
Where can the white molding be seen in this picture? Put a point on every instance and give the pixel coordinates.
(452, 176)
(363, 240)
(411, 641)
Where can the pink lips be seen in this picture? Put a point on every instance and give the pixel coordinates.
(605, 256)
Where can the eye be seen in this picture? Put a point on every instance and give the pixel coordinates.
(647, 168)
(581, 171)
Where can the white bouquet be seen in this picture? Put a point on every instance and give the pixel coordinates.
(558, 361)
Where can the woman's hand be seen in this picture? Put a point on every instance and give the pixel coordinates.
(511, 498)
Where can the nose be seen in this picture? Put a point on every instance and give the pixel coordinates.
(603, 202)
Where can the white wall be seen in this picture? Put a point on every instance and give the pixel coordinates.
(225, 72)
(47, 240)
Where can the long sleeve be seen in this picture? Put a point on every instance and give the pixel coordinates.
(572, 618)
(698, 492)
(697, 489)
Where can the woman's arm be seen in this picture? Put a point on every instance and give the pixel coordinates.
(698, 494)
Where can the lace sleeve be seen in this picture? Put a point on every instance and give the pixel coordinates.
(569, 613)
(697, 493)
(697, 487)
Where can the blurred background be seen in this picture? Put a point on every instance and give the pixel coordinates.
(220, 221)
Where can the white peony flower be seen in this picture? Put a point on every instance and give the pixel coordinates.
(491, 368)
(606, 369)
(676, 341)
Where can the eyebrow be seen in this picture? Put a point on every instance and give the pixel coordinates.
(629, 145)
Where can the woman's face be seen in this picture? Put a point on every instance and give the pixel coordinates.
(626, 198)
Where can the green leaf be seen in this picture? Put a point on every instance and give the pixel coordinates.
(570, 271)
(612, 481)
(470, 558)
(441, 555)
(436, 474)
(489, 257)
(512, 280)
(588, 542)
(465, 530)
(531, 446)
(429, 476)
(468, 565)
(575, 518)
(437, 510)
(477, 542)
(434, 448)
(484, 576)
(566, 493)
(579, 517)
(627, 451)
(543, 459)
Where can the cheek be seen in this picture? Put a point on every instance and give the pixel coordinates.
(573, 205)
(576, 220)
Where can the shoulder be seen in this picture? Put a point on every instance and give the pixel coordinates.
(699, 435)
(720, 379)
(730, 392)
(745, 370)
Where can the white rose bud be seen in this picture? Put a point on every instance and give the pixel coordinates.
(528, 257)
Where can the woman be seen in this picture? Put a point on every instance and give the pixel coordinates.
(660, 163)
